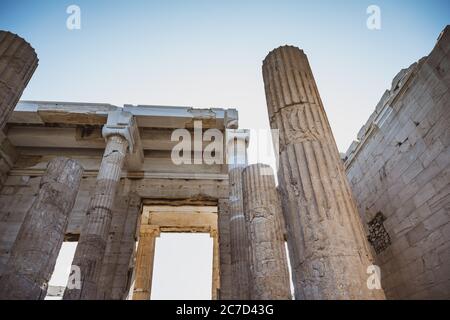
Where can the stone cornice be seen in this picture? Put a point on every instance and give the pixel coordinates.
(146, 116)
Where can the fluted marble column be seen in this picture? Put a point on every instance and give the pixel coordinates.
(94, 234)
(330, 254)
(237, 142)
(269, 274)
(121, 247)
(18, 61)
(144, 262)
(34, 253)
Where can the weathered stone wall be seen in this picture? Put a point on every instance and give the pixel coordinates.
(399, 174)
(19, 191)
(17, 196)
(33, 256)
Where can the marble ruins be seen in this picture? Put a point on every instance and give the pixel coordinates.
(372, 223)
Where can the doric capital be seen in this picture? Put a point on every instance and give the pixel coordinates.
(121, 123)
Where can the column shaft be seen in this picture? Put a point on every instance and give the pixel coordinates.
(34, 253)
(238, 237)
(94, 235)
(18, 61)
(223, 222)
(121, 245)
(269, 274)
(144, 262)
(237, 142)
(330, 254)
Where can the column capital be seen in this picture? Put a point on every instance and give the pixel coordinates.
(238, 134)
(121, 123)
(231, 119)
(149, 231)
(236, 143)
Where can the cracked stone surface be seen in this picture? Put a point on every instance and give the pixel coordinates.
(238, 237)
(33, 256)
(330, 253)
(18, 61)
(269, 275)
(94, 235)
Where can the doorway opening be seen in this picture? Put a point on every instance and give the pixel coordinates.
(61, 272)
(183, 267)
(177, 255)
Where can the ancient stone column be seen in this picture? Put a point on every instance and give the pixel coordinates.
(223, 225)
(115, 277)
(94, 234)
(33, 255)
(269, 274)
(237, 142)
(330, 254)
(18, 61)
(144, 262)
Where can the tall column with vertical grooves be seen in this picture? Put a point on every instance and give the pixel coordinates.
(237, 142)
(123, 273)
(238, 238)
(34, 253)
(18, 61)
(144, 262)
(269, 274)
(330, 253)
(121, 245)
(94, 235)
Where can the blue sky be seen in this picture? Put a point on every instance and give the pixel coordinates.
(209, 53)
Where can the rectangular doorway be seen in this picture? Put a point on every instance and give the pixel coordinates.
(182, 267)
(177, 254)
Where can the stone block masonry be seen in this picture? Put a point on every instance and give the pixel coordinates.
(398, 172)
(400, 168)
(41, 234)
(125, 168)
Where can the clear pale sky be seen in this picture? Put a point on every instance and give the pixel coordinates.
(209, 53)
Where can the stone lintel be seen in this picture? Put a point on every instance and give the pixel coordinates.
(150, 116)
